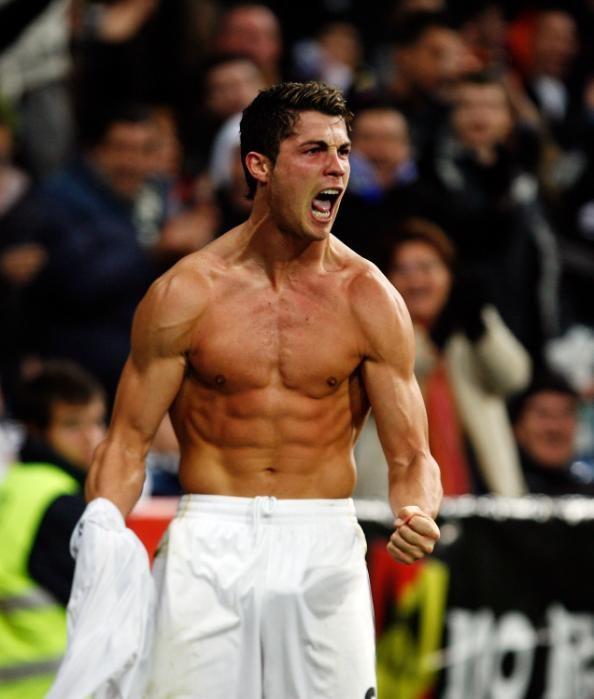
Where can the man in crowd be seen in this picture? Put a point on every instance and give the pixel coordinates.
(384, 188)
(545, 422)
(429, 57)
(253, 30)
(97, 267)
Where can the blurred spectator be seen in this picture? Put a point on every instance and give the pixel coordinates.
(81, 303)
(572, 355)
(466, 363)
(545, 420)
(229, 83)
(111, 53)
(41, 500)
(573, 217)
(19, 262)
(491, 208)
(335, 57)
(554, 47)
(483, 29)
(226, 172)
(546, 57)
(382, 153)
(404, 7)
(384, 186)
(13, 180)
(252, 30)
(34, 70)
(429, 57)
(176, 213)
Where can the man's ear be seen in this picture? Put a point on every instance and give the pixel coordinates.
(259, 166)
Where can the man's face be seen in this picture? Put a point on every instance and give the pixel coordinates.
(231, 86)
(253, 31)
(309, 177)
(424, 281)
(74, 431)
(434, 61)
(481, 116)
(555, 44)
(546, 429)
(381, 135)
(125, 156)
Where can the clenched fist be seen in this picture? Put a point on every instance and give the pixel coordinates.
(415, 535)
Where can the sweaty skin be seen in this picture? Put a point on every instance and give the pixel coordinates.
(268, 348)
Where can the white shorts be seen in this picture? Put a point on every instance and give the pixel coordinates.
(262, 598)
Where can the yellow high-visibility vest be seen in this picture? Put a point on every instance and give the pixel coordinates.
(32, 621)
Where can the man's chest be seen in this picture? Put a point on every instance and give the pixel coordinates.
(305, 340)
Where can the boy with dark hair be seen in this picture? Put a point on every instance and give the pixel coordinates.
(63, 411)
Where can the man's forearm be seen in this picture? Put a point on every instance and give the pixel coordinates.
(116, 474)
(418, 483)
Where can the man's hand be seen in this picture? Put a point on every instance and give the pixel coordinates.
(415, 536)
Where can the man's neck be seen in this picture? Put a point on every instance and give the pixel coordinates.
(278, 252)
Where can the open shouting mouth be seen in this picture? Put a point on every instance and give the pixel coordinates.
(322, 204)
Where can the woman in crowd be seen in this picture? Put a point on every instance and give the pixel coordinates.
(467, 362)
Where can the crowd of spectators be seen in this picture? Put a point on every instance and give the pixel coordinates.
(471, 187)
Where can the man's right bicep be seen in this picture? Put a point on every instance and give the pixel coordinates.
(145, 394)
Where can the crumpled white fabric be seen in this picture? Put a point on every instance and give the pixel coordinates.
(110, 612)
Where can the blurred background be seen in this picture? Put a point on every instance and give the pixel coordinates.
(472, 189)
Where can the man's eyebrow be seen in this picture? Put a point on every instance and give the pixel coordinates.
(323, 143)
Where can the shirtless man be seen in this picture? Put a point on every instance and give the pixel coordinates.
(268, 348)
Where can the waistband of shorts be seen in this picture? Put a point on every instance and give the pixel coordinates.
(269, 507)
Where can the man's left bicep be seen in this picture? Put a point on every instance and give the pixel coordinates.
(398, 408)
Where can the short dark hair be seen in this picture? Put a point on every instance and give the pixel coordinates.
(486, 78)
(272, 116)
(95, 127)
(420, 230)
(413, 25)
(376, 104)
(58, 380)
(544, 381)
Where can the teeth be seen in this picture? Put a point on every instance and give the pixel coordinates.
(322, 215)
(330, 191)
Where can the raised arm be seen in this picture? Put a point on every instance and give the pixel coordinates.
(415, 485)
(150, 381)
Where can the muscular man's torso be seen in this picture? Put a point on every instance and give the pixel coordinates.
(272, 398)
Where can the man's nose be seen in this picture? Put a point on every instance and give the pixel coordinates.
(335, 163)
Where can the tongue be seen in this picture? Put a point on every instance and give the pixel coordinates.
(321, 205)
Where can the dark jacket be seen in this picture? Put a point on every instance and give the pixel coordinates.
(83, 301)
(50, 562)
(555, 482)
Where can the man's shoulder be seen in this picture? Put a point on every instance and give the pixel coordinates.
(367, 285)
(179, 296)
(376, 304)
(191, 279)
